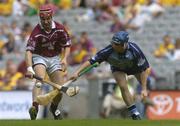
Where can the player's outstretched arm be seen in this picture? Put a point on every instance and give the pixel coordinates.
(77, 72)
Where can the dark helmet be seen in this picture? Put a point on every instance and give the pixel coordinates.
(121, 37)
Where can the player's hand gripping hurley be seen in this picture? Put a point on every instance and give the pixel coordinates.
(45, 99)
(70, 91)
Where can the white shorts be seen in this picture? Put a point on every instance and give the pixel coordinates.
(51, 63)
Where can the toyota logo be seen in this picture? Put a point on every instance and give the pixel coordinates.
(163, 104)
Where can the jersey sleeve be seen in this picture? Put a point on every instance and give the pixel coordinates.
(141, 61)
(65, 40)
(31, 43)
(101, 56)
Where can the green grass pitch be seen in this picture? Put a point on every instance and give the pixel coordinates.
(89, 122)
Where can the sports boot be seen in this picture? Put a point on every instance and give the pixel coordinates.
(33, 113)
(56, 112)
(136, 116)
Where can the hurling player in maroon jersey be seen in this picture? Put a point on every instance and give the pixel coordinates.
(47, 42)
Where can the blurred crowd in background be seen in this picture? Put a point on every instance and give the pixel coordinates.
(107, 7)
(123, 15)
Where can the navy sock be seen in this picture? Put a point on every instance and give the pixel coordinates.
(133, 110)
(53, 106)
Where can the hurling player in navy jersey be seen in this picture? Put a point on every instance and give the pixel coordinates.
(125, 58)
(48, 41)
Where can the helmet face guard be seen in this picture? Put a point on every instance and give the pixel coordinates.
(45, 14)
(120, 38)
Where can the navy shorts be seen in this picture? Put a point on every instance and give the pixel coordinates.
(129, 71)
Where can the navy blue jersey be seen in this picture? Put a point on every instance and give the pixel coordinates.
(132, 61)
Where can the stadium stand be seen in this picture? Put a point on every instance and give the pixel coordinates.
(148, 38)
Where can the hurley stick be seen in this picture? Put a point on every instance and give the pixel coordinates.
(70, 91)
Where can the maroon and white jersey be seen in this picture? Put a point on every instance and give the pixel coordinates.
(48, 44)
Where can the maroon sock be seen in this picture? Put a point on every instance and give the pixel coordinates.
(35, 104)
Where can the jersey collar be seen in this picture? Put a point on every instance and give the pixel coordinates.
(53, 25)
